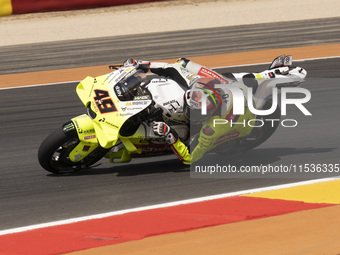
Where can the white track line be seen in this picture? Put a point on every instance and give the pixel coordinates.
(268, 63)
(39, 85)
(220, 67)
(163, 205)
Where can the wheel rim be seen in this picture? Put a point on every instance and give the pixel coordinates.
(60, 160)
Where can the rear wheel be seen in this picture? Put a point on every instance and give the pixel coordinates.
(268, 129)
(53, 154)
(256, 137)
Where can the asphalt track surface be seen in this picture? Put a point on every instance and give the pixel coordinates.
(30, 195)
(221, 40)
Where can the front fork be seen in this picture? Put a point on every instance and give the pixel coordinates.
(82, 127)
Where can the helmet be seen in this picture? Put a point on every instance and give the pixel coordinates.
(201, 94)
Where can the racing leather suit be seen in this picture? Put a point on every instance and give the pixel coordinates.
(211, 135)
(186, 72)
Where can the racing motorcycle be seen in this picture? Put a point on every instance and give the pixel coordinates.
(121, 107)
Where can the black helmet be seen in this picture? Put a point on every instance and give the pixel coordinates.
(202, 100)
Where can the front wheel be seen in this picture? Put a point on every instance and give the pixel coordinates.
(53, 154)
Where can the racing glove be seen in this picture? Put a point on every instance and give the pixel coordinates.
(161, 129)
(281, 61)
(139, 64)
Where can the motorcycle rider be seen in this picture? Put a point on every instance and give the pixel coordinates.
(202, 85)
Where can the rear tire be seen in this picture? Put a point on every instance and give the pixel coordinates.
(53, 154)
(267, 131)
(242, 144)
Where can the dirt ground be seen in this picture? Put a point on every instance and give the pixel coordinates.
(156, 17)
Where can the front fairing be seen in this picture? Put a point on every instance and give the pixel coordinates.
(108, 112)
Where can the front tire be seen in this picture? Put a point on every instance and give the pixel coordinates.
(53, 154)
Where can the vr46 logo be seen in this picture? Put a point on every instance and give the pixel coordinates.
(104, 101)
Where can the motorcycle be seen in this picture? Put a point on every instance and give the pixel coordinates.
(121, 107)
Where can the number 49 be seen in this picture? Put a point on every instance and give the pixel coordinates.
(104, 101)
